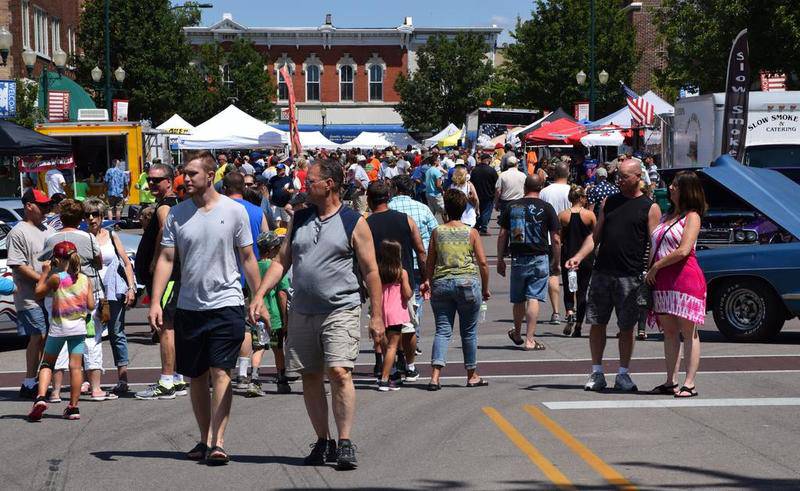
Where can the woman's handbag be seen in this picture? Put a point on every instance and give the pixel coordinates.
(103, 307)
(644, 294)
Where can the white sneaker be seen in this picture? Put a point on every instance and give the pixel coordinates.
(596, 382)
(623, 382)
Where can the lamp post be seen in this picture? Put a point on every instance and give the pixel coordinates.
(6, 40)
(602, 77)
(324, 113)
(59, 60)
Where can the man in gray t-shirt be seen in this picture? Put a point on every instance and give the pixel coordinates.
(206, 232)
(25, 242)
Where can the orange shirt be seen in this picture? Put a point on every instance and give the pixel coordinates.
(177, 185)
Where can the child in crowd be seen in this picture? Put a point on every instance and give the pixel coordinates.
(72, 303)
(396, 293)
(276, 302)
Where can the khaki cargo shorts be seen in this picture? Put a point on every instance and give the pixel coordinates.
(320, 341)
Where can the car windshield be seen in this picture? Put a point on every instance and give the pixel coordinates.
(772, 156)
(4, 229)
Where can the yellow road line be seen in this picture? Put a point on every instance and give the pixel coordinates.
(535, 456)
(606, 471)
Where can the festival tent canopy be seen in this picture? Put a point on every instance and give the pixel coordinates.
(176, 124)
(553, 116)
(368, 140)
(622, 118)
(452, 140)
(447, 131)
(316, 140)
(401, 140)
(557, 132)
(18, 141)
(233, 128)
(611, 136)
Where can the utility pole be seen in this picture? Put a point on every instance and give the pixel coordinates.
(107, 69)
(591, 61)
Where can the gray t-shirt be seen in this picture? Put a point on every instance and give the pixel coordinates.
(25, 242)
(88, 248)
(207, 244)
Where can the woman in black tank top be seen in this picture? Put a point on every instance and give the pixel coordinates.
(577, 223)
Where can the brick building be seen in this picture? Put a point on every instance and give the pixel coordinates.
(43, 26)
(641, 15)
(348, 71)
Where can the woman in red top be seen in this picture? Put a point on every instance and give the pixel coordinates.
(300, 173)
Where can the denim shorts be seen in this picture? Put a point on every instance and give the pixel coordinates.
(529, 275)
(32, 322)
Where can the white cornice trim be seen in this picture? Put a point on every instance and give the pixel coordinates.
(346, 60)
(375, 60)
(284, 60)
(313, 60)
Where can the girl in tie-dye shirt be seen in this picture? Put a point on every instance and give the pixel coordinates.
(72, 302)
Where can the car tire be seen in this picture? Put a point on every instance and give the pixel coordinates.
(747, 310)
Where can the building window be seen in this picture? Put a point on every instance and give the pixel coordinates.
(283, 90)
(26, 25)
(312, 83)
(56, 28)
(376, 83)
(41, 37)
(346, 83)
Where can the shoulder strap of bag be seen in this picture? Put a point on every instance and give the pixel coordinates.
(660, 239)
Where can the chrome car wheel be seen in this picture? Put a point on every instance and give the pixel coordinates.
(745, 309)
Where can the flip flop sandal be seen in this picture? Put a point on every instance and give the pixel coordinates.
(690, 390)
(514, 340)
(198, 452)
(537, 346)
(480, 383)
(434, 387)
(106, 396)
(217, 456)
(664, 389)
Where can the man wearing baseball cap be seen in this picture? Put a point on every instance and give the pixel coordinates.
(25, 242)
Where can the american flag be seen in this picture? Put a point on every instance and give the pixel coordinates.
(642, 111)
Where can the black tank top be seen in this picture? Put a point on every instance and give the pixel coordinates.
(147, 247)
(393, 225)
(624, 236)
(576, 233)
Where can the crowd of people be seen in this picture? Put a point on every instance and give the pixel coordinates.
(244, 254)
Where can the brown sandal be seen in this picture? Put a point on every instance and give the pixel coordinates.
(518, 341)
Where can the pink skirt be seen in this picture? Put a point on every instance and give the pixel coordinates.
(680, 290)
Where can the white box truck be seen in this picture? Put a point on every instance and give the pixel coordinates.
(773, 131)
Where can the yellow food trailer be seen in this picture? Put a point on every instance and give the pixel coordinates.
(96, 144)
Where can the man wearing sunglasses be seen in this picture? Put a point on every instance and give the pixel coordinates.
(25, 242)
(170, 384)
(326, 241)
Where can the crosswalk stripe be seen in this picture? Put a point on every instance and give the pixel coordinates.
(664, 403)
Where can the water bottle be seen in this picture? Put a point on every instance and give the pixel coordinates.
(572, 280)
(484, 307)
(263, 334)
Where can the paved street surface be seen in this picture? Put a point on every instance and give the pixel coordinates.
(533, 427)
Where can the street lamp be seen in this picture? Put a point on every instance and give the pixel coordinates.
(580, 77)
(324, 113)
(29, 59)
(97, 74)
(119, 74)
(602, 77)
(6, 39)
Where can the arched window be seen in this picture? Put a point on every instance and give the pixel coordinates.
(283, 90)
(312, 83)
(376, 83)
(346, 84)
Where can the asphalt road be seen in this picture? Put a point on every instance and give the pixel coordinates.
(533, 427)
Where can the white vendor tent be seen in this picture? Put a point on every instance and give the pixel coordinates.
(169, 132)
(176, 125)
(316, 140)
(447, 131)
(233, 128)
(622, 118)
(368, 140)
(401, 140)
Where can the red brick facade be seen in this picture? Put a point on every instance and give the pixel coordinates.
(647, 42)
(67, 12)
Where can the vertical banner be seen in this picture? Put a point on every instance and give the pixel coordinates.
(734, 121)
(8, 98)
(294, 133)
(58, 106)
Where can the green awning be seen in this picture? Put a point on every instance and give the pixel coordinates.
(78, 98)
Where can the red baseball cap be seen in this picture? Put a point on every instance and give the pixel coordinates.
(35, 196)
(64, 249)
(498, 145)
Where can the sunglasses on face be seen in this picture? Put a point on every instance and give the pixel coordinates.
(250, 184)
(155, 180)
(92, 214)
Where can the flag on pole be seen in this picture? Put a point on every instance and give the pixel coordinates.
(642, 111)
(294, 133)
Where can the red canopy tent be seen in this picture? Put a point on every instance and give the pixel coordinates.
(560, 132)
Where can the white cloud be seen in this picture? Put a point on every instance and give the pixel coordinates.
(501, 21)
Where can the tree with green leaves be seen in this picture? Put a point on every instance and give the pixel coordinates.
(448, 83)
(236, 75)
(698, 34)
(28, 113)
(553, 46)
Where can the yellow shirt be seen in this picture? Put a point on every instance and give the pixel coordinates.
(219, 174)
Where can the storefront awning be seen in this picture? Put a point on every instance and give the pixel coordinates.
(78, 98)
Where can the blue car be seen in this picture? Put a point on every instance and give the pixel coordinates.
(754, 289)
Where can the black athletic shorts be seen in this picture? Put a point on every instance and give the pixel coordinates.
(208, 338)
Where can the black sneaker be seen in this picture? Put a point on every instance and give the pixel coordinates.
(400, 362)
(283, 385)
(346, 455)
(72, 413)
(39, 407)
(321, 452)
(412, 375)
(418, 352)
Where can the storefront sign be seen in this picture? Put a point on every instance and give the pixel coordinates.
(772, 82)
(40, 164)
(581, 110)
(774, 129)
(734, 118)
(120, 110)
(57, 106)
(8, 98)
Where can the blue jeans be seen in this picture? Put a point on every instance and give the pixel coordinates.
(116, 332)
(448, 296)
(484, 216)
(420, 301)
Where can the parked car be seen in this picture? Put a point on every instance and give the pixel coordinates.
(11, 210)
(754, 289)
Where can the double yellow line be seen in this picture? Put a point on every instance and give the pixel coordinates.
(543, 463)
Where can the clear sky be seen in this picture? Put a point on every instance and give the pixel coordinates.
(370, 13)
